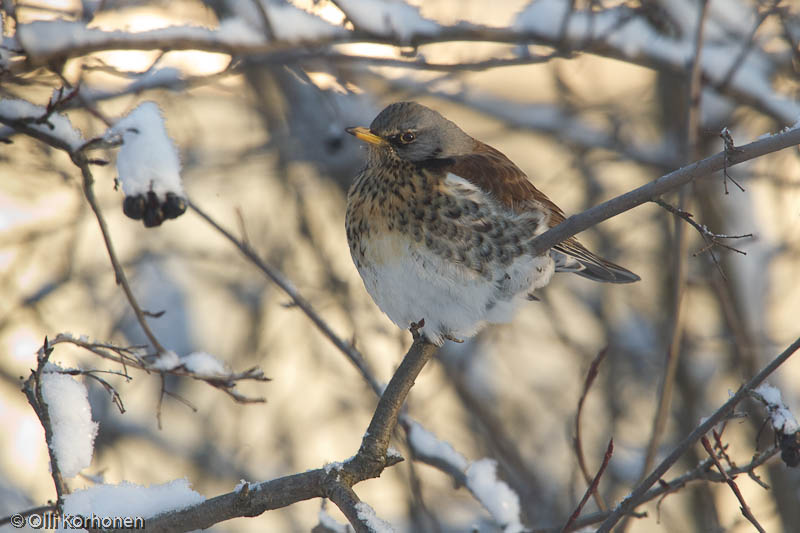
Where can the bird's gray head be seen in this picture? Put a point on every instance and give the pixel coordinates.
(414, 132)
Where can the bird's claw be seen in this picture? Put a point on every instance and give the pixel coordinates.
(415, 327)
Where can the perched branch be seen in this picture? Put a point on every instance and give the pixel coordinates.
(335, 481)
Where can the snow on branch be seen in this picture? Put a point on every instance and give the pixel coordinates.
(70, 415)
(498, 498)
(40, 122)
(620, 32)
(780, 416)
(387, 18)
(130, 499)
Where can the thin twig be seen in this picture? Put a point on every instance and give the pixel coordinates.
(592, 488)
(732, 484)
(711, 238)
(273, 274)
(577, 441)
(88, 190)
(730, 148)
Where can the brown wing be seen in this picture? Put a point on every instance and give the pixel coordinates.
(494, 173)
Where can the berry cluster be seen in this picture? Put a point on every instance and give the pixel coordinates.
(149, 207)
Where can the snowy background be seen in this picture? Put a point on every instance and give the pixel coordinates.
(255, 98)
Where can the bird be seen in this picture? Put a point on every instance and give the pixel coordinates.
(440, 227)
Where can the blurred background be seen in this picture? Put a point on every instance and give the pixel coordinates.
(586, 115)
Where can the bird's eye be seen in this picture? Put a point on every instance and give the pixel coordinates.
(407, 137)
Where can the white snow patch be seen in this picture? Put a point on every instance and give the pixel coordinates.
(293, 24)
(70, 415)
(375, 524)
(130, 499)
(204, 364)
(336, 465)
(147, 159)
(51, 37)
(394, 453)
(330, 523)
(387, 17)
(498, 498)
(781, 417)
(544, 17)
(166, 361)
(16, 109)
(425, 443)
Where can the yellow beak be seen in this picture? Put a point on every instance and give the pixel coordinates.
(365, 135)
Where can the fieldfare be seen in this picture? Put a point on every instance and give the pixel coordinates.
(440, 225)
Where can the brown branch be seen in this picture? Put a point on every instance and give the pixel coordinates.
(577, 441)
(638, 494)
(732, 484)
(592, 488)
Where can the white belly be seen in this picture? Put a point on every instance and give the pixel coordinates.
(410, 283)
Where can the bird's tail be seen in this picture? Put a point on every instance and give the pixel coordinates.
(572, 256)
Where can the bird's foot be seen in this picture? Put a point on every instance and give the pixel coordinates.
(533, 298)
(415, 327)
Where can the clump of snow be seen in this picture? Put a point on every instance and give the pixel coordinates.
(498, 498)
(388, 18)
(147, 160)
(45, 38)
(204, 364)
(375, 524)
(425, 443)
(70, 419)
(330, 523)
(130, 499)
(781, 417)
(16, 109)
(166, 361)
(293, 24)
(544, 17)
